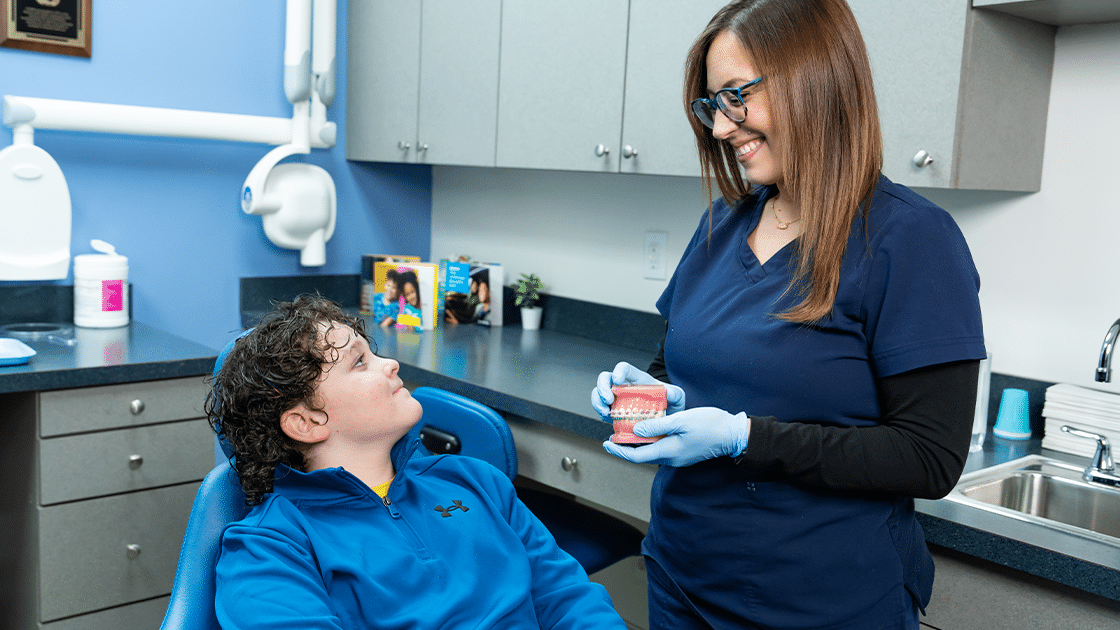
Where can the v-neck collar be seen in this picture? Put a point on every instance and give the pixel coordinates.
(779, 262)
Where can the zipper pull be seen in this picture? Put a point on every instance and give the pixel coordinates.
(388, 503)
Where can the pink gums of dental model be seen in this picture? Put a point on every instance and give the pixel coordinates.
(632, 404)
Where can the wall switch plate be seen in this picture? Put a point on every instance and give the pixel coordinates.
(653, 257)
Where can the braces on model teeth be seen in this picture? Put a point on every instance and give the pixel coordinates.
(632, 404)
(636, 411)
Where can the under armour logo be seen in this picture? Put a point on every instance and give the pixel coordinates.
(446, 512)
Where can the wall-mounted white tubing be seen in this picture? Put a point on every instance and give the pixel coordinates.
(324, 27)
(301, 125)
(45, 113)
(297, 51)
(322, 130)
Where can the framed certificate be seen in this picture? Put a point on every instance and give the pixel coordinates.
(61, 27)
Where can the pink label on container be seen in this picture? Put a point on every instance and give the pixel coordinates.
(112, 295)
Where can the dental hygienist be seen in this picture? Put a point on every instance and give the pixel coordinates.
(821, 352)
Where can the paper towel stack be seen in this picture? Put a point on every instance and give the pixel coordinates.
(1087, 409)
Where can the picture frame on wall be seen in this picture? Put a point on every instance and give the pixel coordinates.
(61, 27)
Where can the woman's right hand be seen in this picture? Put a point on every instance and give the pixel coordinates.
(626, 374)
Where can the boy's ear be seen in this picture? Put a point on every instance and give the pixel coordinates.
(299, 424)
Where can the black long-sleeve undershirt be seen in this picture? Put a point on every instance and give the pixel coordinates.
(918, 449)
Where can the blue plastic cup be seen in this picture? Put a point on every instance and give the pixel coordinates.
(1013, 421)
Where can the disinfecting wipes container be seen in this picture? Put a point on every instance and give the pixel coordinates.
(101, 288)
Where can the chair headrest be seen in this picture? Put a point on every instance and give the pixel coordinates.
(226, 350)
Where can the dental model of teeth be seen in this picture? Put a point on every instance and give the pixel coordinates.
(632, 404)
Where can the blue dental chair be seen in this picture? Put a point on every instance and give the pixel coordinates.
(452, 424)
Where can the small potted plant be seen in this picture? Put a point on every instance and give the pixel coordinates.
(528, 297)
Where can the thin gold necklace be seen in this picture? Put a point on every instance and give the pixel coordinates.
(782, 225)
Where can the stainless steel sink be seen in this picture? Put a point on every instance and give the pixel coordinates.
(1041, 501)
(1048, 489)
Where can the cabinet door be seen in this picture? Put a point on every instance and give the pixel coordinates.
(561, 87)
(655, 122)
(458, 107)
(382, 80)
(916, 50)
(86, 562)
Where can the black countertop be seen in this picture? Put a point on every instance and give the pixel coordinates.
(547, 376)
(105, 356)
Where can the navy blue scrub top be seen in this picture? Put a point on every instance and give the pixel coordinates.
(744, 548)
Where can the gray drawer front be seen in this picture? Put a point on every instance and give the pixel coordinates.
(596, 476)
(110, 407)
(84, 564)
(138, 616)
(97, 464)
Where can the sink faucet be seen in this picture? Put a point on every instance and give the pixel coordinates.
(1101, 470)
(1104, 368)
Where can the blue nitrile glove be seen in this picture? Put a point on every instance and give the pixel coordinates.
(691, 436)
(626, 374)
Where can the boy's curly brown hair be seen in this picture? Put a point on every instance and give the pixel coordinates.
(272, 368)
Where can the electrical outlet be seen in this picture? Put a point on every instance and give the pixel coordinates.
(653, 258)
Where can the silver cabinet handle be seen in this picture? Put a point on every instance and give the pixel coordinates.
(136, 407)
(629, 152)
(404, 146)
(421, 147)
(135, 462)
(922, 159)
(133, 551)
(602, 150)
(568, 463)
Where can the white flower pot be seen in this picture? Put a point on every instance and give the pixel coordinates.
(531, 317)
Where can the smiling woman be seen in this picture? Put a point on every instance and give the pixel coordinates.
(822, 344)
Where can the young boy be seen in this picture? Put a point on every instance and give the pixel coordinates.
(351, 528)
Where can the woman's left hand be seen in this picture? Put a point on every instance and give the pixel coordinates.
(691, 436)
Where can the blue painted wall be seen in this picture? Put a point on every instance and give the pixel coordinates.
(172, 205)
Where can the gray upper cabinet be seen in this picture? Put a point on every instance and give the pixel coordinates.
(963, 94)
(1057, 12)
(563, 66)
(422, 81)
(656, 136)
(596, 85)
(614, 90)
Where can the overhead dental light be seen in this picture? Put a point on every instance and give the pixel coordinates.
(296, 201)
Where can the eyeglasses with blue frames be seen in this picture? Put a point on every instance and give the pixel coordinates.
(730, 101)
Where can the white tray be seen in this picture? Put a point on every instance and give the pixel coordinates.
(14, 352)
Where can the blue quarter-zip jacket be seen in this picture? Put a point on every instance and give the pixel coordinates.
(451, 546)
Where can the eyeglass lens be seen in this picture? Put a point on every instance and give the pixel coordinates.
(728, 102)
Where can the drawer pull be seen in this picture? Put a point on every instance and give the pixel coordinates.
(135, 462)
(568, 463)
(136, 407)
(133, 551)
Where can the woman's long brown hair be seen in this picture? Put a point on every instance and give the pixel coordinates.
(822, 101)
